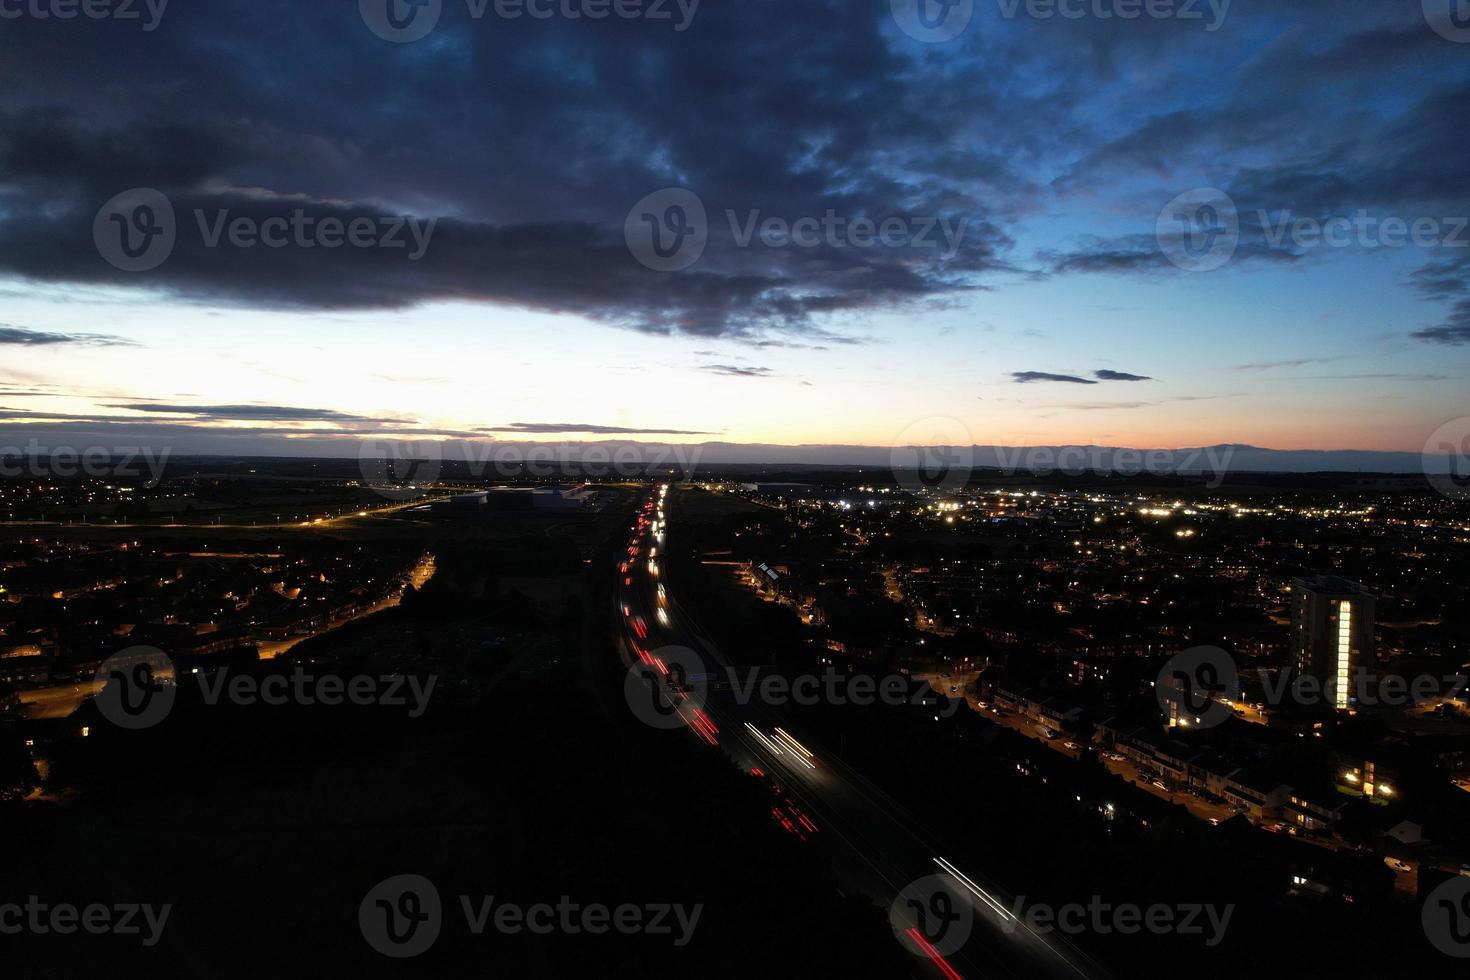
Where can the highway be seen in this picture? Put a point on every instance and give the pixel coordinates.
(873, 845)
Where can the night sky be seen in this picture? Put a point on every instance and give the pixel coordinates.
(1028, 285)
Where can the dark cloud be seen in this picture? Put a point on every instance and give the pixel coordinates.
(1455, 330)
(1294, 362)
(1105, 406)
(1448, 279)
(1029, 377)
(24, 337)
(257, 108)
(1342, 110)
(113, 428)
(1106, 375)
(1109, 406)
(1377, 377)
(737, 371)
(531, 141)
(551, 428)
(257, 413)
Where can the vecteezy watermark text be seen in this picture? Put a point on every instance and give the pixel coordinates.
(937, 21)
(1201, 230)
(298, 687)
(833, 230)
(399, 469)
(137, 688)
(406, 21)
(669, 230)
(1212, 12)
(64, 919)
(831, 687)
(137, 231)
(669, 685)
(98, 462)
(149, 12)
(1363, 230)
(1104, 918)
(403, 916)
(939, 452)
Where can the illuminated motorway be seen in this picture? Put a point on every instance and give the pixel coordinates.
(874, 846)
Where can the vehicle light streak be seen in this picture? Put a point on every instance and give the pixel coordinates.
(787, 739)
(704, 728)
(933, 954)
(797, 749)
(976, 890)
(763, 740)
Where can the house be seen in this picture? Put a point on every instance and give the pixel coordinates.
(1258, 796)
(768, 578)
(1012, 698)
(1116, 730)
(1056, 714)
(1211, 772)
(1155, 751)
(1315, 811)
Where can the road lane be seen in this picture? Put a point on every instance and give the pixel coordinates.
(876, 846)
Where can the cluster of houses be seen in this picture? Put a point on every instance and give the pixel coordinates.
(1238, 767)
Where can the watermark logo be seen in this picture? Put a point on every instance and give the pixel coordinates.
(401, 916)
(136, 231)
(668, 230)
(150, 12)
(137, 687)
(932, 21)
(401, 21)
(666, 688)
(1449, 18)
(400, 469)
(930, 916)
(1195, 687)
(1446, 918)
(1446, 459)
(934, 453)
(1199, 230)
